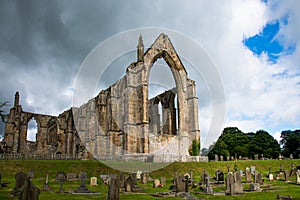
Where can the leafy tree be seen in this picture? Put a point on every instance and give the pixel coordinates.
(233, 142)
(194, 151)
(263, 143)
(2, 115)
(291, 143)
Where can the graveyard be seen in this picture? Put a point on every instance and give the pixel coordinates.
(74, 179)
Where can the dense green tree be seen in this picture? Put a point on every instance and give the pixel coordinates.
(195, 150)
(263, 143)
(291, 143)
(233, 142)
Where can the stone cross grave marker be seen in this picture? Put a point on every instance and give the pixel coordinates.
(20, 180)
(113, 187)
(29, 191)
(93, 181)
(61, 177)
(82, 188)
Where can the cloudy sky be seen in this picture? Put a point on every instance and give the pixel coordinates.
(253, 44)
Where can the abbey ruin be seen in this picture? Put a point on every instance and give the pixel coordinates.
(121, 121)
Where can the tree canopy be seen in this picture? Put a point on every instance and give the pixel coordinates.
(233, 142)
(291, 143)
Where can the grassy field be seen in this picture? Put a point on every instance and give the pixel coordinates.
(9, 168)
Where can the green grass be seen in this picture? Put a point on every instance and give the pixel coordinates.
(9, 168)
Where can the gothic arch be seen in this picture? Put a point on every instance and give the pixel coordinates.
(163, 48)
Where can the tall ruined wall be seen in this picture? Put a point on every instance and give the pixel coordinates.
(120, 120)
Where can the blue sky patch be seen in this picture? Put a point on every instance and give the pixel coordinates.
(266, 41)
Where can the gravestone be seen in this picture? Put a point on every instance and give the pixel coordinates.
(180, 183)
(156, 183)
(254, 187)
(138, 174)
(61, 177)
(287, 175)
(129, 184)
(219, 176)
(298, 176)
(113, 187)
(21, 178)
(203, 178)
(82, 188)
(46, 187)
(234, 184)
(29, 191)
(216, 157)
(93, 181)
(144, 177)
(227, 158)
(252, 168)
(133, 177)
(71, 176)
(271, 177)
(122, 179)
(258, 179)
(248, 177)
(221, 158)
(291, 156)
(163, 180)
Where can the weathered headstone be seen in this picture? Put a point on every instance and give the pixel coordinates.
(29, 191)
(138, 174)
(271, 177)
(287, 175)
(93, 181)
(61, 177)
(129, 184)
(216, 157)
(291, 156)
(156, 183)
(258, 179)
(252, 168)
(234, 184)
(113, 187)
(219, 176)
(82, 188)
(248, 177)
(254, 187)
(71, 176)
(144, 177)
(122, 179)
(180, 183)
(221, 158)
(298, 176)
(21, 178)
(46, 187)
(204, 178)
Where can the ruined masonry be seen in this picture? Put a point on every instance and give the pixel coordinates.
(120, 121)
